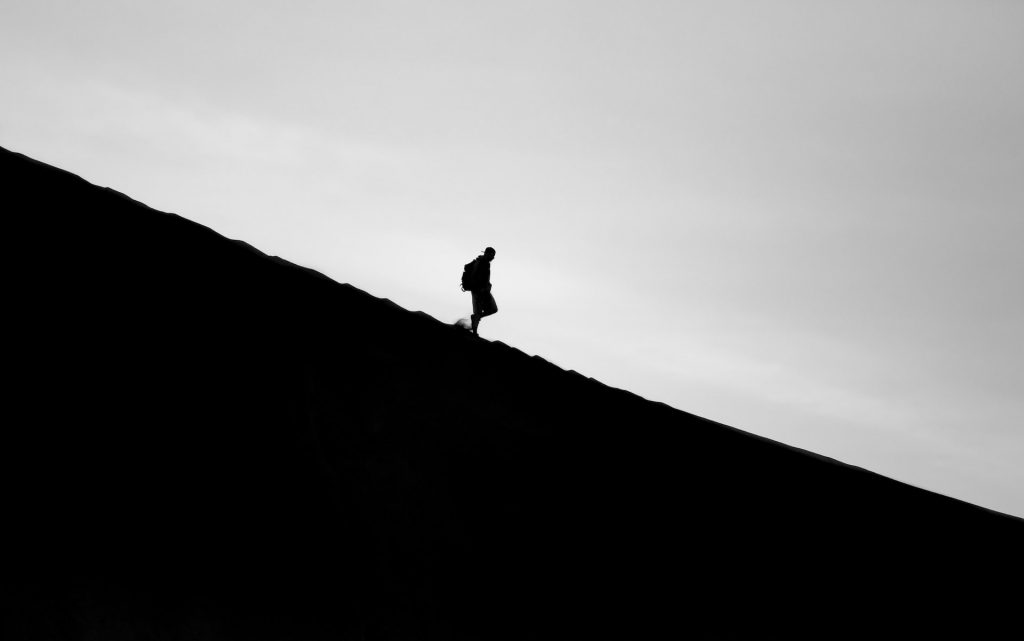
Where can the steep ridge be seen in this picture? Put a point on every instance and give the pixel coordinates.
(208, 442)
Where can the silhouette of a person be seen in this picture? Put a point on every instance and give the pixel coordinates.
(483, 301)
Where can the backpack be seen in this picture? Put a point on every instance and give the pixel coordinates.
(469, 276)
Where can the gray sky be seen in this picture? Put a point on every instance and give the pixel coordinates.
(800, 218)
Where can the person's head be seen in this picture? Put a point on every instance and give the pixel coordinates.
(489, 253)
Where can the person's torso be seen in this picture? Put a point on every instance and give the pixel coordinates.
(483, 272)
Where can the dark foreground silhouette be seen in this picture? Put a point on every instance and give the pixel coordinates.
(205, 442)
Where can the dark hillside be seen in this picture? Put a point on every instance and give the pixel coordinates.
(205, 442)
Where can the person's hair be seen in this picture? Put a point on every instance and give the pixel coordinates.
(490, 250)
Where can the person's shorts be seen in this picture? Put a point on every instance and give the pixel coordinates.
(483, 304)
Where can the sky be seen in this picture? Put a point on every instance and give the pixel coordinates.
(801, 218)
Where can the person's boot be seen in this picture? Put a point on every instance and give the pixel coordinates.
(476, 323)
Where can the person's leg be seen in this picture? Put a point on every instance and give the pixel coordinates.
(487, 305)
(475, 317)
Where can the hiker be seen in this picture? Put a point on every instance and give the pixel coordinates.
(476, 279)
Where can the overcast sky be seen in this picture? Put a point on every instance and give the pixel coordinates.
(802, 218)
